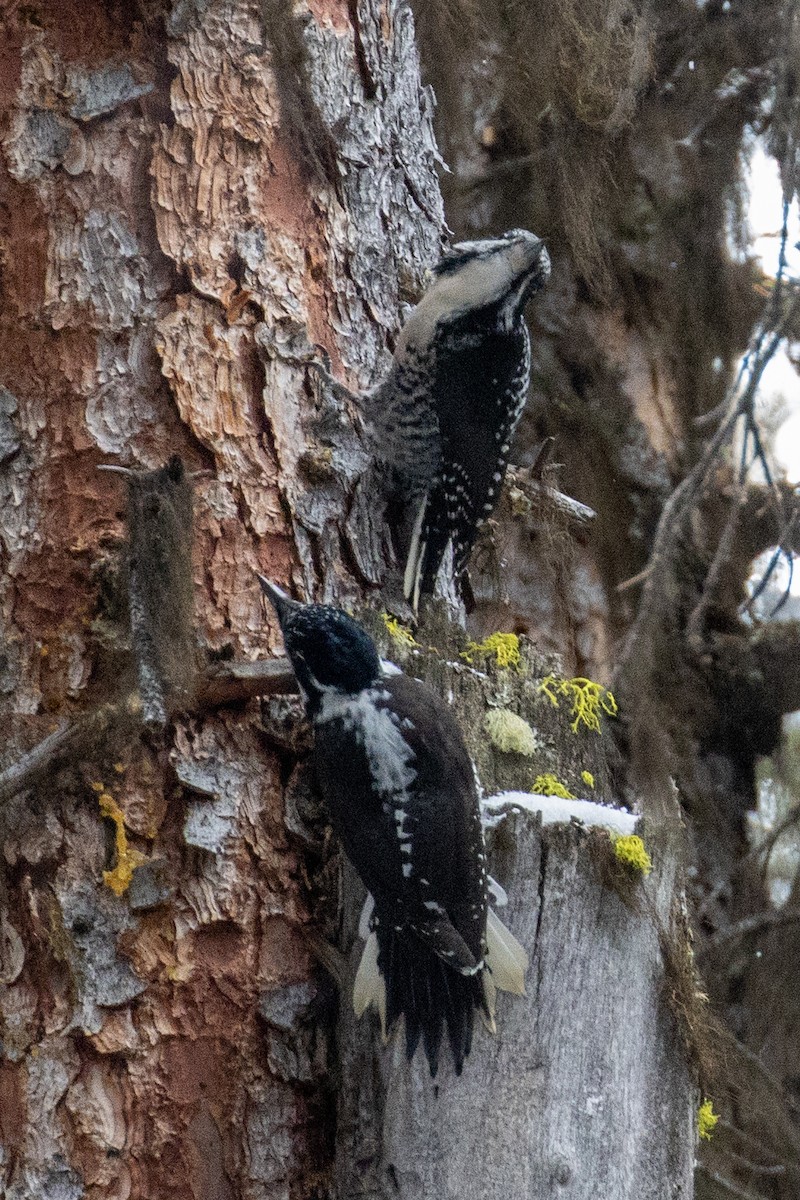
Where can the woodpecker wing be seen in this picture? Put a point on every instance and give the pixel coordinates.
(481, 389)
(400, 787)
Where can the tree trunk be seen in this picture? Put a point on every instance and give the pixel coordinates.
(195, 194)
(586, 1087)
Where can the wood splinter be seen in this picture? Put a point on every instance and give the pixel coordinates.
(160, 584)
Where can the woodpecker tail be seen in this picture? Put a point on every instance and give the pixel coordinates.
(506, 958)
(429, 539)
(441, 518)
(417, 554)
(430, 995)
(401, 975)
(369, 987)
(506, 963)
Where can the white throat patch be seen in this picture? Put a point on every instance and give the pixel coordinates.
(391, 759)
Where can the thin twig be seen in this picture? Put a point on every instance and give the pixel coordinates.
(758, 923)
(763, 847)
(639, 577)
(783, 551)
(747, 1164)
(541, 457)
(787, 591)
(775, 1095)
(790, 1165)
(58, 746)
(763, 582)
(728, 1185)
(722, 554)
(224, 683)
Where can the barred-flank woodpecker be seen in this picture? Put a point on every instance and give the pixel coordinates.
(445, 416)
(395, 773)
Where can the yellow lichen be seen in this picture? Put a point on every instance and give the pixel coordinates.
(98, 787)
(509, 732)
(119, 878)
(399, 634)
(587, 697)
(502, 647)
(630, 850)
(549, 785)
(588, 778)
(120, 768)
(706, 1120)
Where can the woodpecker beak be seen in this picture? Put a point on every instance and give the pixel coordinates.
(282, 603)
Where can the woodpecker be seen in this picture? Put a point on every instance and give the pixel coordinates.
(398, 781)
(445, 415)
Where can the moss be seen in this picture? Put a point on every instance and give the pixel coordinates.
(548, 785)
(630, 850)
(588, 699)
(706, 1120)
(128, 860)
(502, 647)
(509, 733)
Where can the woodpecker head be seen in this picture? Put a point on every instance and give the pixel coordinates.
(496, 274)
(329, 652)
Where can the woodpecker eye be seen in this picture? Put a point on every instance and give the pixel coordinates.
(330, 649)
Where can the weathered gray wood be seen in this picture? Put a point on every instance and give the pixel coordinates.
(583, 1092)
(585, 1089)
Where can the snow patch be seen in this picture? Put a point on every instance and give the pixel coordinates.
(556, 811)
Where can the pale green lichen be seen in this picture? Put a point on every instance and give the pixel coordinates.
(502, 647)
(630, 850)
(706, 1120)
(588, 778)
(588, 699)
(549, 785)
(509, 733)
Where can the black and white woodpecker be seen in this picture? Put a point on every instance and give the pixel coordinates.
(398, 781)
(445, 415)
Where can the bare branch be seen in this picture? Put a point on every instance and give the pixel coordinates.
(781, 1168)
(728, 1185)
(525, 488)
(722, 554)
(685, 498)
(763, 848)
(237, 682)
(224, 683)
(759, 923)
(59, 746)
